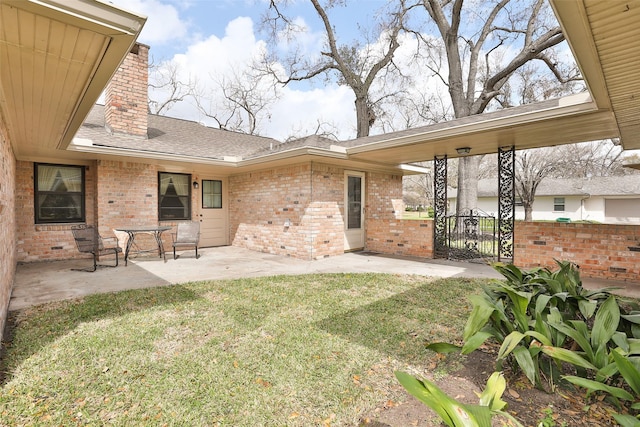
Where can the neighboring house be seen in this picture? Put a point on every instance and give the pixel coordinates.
(610, 200)
(65, 161)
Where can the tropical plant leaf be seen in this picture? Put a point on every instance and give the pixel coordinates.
(482, 310)
(540, 337)
(526, 363)
(587, 307)
(628, 371)
(564, 355)
(633, 318)
(620, 339)
(606, 322)
(520, 303)
(492, 393)
(626, 420)
(509, 271)
(634, 345)
(576, 334)
(597, 386)
(541, 304)
(475, 341)
(452, 413)
(510, 342)
(606, 372)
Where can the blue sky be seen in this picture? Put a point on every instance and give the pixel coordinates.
(205, 36)
(206, 40)
(175, 24)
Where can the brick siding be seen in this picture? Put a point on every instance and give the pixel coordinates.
(38, 242)
(386, 232)
(308, 196)
(118, 194)
(126, 94)
(401, 237)
(8, 215)
(601, 250)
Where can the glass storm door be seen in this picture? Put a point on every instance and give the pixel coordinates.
(354, 211)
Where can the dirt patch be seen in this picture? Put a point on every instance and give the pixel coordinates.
(528, 405)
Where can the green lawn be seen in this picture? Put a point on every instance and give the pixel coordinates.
(278, 351)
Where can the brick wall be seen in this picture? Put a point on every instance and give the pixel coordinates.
(39, 242)
(7, 224)
(260, 203)
(601, 250)
(118, 194)
(326, 211)
(401, 237)
(386, 231)
(384, 196)
(309, 196)
(126, 94)
(127, 195)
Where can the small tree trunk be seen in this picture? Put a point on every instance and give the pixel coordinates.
(364, 116)
(468, 183)
(528, 212)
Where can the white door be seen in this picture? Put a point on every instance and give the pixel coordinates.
(353, 210)
(214, 229)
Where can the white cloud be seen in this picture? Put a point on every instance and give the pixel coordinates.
(163, 25)
(297, 112)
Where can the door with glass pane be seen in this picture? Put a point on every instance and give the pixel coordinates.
(214, 230)
(354, 211)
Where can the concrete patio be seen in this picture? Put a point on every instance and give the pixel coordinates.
(42, 282)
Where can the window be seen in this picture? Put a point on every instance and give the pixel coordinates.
(59, 193)
(174, 196)
(558, 204)
(211, 194)
(354, 202)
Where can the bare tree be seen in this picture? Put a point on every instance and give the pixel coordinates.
(584, 160)
(591, 159)
(166, 87)
(476, 38)
(240, 102)
(356, 66)
(532, 166)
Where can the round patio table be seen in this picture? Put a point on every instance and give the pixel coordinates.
(155, 230)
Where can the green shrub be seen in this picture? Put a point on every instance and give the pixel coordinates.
(454, 413)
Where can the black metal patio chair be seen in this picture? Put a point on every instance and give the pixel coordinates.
(89, 241)
(187, 235)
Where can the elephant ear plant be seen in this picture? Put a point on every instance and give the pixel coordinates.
(523, 312)
(454, 413)
(545, 321)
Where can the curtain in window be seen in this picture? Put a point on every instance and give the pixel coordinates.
(180, 183)
(46, 177)
(59, 194)
(50, 177)
(72, 178)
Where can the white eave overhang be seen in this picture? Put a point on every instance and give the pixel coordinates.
(57, 56)
(236, 163)
(573, 118)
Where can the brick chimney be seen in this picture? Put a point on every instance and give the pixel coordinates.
(126, 95)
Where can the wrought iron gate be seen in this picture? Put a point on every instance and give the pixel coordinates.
(471, 235)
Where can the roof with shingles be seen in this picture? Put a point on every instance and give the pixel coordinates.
(169, 135)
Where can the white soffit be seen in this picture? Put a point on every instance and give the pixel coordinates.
(575, 118)
(57, 57)
(605, 39)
